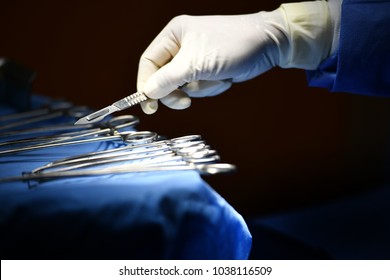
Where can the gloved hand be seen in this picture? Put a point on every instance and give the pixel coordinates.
(197, 56)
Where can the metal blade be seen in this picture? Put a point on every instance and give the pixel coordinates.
(98, 115)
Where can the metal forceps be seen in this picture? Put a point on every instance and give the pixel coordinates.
(107, 131)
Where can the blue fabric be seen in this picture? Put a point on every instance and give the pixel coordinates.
(362, 63)
(160, 215)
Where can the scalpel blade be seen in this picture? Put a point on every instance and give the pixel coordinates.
(120, 105)
(97, 116)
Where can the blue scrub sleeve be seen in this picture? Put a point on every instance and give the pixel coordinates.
(362, 63)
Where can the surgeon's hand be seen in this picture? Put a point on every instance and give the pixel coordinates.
(197, 56)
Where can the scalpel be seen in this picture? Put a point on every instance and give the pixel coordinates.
(120, 105)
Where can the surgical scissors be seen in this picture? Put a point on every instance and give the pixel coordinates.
(111, 131)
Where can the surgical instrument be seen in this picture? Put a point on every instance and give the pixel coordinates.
(44, 129)
(136, 142)
(195, 152)
(110, 131)
(40, 111)
(156, 157)
(119, 105)
(47, 138)
(51, 113)
(181, 153)
(203, 169)
(108, 127)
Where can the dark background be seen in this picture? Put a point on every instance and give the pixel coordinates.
(293, 145)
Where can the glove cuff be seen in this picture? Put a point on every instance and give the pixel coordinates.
(309, 32)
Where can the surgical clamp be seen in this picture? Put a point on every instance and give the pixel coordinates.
(182, 153)
(203, 169)
(136, 140)
(151, 153)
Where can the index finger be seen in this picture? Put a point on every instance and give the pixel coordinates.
(161, 51)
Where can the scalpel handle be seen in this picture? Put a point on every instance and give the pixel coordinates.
(130, 100)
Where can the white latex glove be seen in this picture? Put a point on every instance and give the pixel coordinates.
(197, 56)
